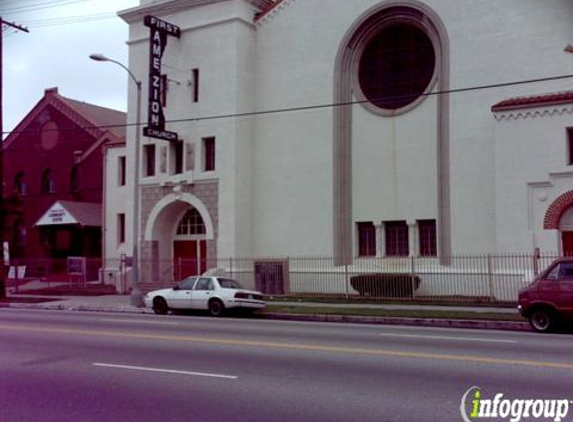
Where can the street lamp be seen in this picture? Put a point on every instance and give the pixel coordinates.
(136, 298)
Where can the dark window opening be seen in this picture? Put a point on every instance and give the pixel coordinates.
(177, 157)
(74, 179)
(366, 239)
(47, 184)
(396, 237)
(149, 159)
(195, 85)
(209, 153)
(121, 228)
(121, 171)
(19, 234)
(191, 223)
(20, 184)
(396, 66)
(427, 237)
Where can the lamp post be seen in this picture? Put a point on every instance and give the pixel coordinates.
(136, 298)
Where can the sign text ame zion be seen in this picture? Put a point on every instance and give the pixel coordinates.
(159, 30)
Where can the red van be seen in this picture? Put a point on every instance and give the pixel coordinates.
(549, 299)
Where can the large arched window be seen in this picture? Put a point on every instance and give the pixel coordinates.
(191, 224)
(20, 184)
(391, 58)
(47, 184)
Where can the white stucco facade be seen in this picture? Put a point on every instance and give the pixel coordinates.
(295, 171)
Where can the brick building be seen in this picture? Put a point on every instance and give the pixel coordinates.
(53, 165)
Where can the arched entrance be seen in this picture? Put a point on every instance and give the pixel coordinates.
(559, 216)
(179, 238)
(190, 246)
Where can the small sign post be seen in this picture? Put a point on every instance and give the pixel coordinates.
(77, 269)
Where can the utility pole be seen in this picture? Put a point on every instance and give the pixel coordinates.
(3, 210)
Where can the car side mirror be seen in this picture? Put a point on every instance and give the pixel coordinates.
(176, 287)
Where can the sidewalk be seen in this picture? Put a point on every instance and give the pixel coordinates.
(121, 303)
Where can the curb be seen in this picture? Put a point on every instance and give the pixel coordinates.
(85, 308)
(419, 322)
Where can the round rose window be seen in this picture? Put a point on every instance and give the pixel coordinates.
(397, 66)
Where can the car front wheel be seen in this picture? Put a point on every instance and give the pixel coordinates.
(542, 320)
(160, 306)
(216, 307)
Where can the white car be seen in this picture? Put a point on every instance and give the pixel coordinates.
(215, 294)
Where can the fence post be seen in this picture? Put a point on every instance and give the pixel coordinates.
(413, 274)
(122, 275)
(490, 276)
(536, 256)
(346, 280)
(15, 273)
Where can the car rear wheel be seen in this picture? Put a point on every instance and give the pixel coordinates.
(542, 320)
(160, 306)
(216, 307)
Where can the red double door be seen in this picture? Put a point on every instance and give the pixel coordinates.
(567, 242)
(189, 258)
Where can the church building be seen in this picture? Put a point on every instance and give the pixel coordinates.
(348, 129)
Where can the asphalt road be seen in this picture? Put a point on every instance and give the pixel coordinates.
(79, 366)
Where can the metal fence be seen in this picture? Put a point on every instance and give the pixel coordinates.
(36, 274)
(472, 278)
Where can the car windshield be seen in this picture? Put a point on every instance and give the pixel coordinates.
(227, 283)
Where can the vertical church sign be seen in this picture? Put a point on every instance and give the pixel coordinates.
(158, 32)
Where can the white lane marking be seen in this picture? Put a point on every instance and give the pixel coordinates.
(491, 340)
(168, 371)
(136, 321)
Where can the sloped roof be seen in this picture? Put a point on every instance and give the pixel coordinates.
(69, 212)
(265, 7)
(112, 120)
(540, 100)
(95, 119)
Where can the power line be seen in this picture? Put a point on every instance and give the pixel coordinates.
(39, 23)
(308, 107)
(40, 6)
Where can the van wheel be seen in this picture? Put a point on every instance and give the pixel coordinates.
(542, 320)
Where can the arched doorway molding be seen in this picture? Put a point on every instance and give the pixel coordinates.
(359, 33)
(172, 207)
(161, 232)
(556, 210)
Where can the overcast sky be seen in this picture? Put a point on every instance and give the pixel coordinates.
(63, 33)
